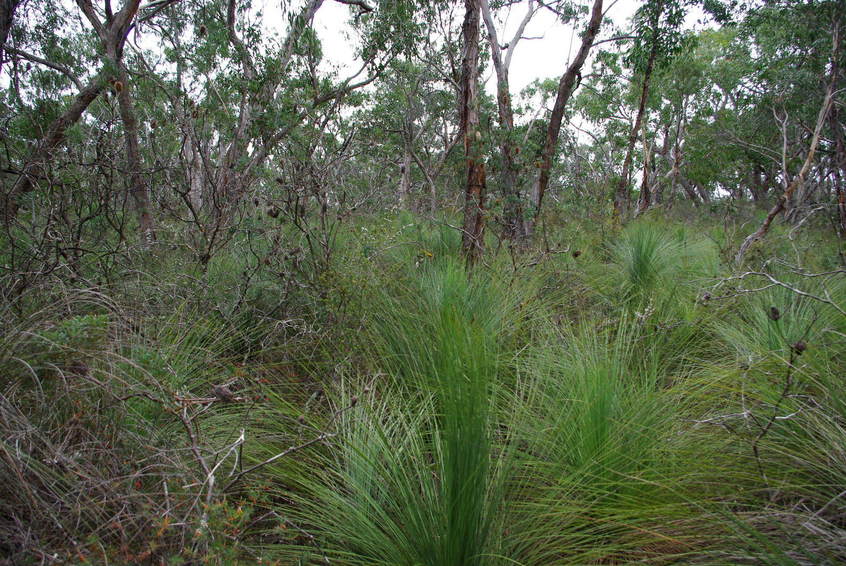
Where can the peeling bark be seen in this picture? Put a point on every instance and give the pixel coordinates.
(472, 238)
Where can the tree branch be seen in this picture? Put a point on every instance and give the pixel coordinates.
(55, 66)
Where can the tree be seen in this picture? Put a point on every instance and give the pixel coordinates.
(472, 238)
(515, 227)
(566, 86)
(112, 39)
(113, 34)
(645, 52)
(799, 179)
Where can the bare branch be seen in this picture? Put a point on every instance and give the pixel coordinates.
(55, 66)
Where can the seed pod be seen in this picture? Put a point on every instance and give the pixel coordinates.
(774, 314)
(202, 31)
(223, 393)
(118, 86)
(799, 347)
(577, 253)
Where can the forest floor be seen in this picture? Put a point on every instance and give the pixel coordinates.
(611, 396)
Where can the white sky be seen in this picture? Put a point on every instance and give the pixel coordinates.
(544, 56)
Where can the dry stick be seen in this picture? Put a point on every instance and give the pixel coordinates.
(788, 383)
(317, 439)
(777, 283)
(795, 350)
(800, 178)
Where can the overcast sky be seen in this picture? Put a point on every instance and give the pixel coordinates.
(545, 55)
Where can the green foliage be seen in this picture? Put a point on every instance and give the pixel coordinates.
(412, 480)
(300, 368)
(655, 266)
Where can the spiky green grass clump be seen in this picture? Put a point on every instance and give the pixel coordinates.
(417, 476)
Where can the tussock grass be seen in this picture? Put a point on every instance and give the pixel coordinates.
(394, 409)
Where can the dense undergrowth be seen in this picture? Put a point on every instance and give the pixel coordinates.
(610, 397)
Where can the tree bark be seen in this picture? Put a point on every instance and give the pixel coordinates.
(664, 154)
(566, 86)
(7, 17)
(138, 189)
(837, 134)
(645, 200)
(758, 186)
(405, 176)
(472, 239)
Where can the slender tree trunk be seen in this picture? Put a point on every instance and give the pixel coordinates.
(138, 189)
(758, 187)
(405, 176)
(799, 178)
(703, 194)
(664, 154)
(645, 200)
(622, 195)
(515, 228)
(194, 170)
(689, 189)
(566, 86)
(837, 133)
(472, 240)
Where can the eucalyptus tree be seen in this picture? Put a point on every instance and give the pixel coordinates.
(803, 46)
(112, 31)
(566, 85)
(409, 126)
(657, 24)
(501, 56)
(473, 231)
